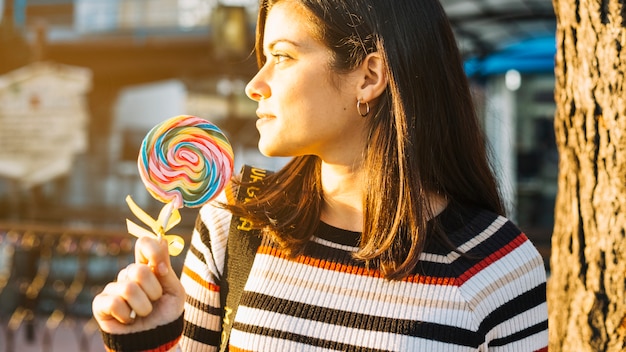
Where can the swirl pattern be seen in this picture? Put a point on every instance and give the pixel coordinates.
(185, 160)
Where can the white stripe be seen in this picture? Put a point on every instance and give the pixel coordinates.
(206, 270)
(217, 221)
(326, 243)
(190, 345)
(520, 322)
(493, 286)
(359, 294)
(530, 343)
(198, 291)
(203, 319)
(252, 342)
(320, 330)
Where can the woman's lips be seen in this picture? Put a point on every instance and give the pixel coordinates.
(263, 119)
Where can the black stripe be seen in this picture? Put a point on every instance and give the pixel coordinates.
(203, 306)
(502, 237)
(341, 257)
(532, 330)
(308, 340)
(415, 328)
(496, 241)
(145, 340)
(458, 222)
(203, 231)
(196, 252)
(321, 252)
(522, 303)
(205, 238)
(202, 335)
(337, 235)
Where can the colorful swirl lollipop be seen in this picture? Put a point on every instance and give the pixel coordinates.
(186, 161)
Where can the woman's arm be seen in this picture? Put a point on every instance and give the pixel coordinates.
(146, 297)
(151, 288)
(201, 278)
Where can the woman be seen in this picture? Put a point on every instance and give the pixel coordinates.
(384, 232)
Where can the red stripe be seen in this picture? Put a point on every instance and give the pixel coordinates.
(508, 248)
(353, 269)
(164, 348)
(545, 349)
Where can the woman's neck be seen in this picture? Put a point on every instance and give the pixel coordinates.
(343, 196)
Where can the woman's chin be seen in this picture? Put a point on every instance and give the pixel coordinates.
(268, 151)
(272, 151)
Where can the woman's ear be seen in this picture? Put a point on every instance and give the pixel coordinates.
(373, 77)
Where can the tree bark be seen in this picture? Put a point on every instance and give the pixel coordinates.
(586, 289)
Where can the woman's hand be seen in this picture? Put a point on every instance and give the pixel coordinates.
(146, 294)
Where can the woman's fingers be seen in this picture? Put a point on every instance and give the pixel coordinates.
(125, 297)
(143, 276)
(131, 295)
(136, 298)
(146, 294)
(154, 253)
(107, 307)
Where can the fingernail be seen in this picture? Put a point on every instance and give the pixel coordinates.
(162, 268)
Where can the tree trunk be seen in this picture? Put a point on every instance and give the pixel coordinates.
(586, 290)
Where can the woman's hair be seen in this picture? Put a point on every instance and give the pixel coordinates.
(424, 137)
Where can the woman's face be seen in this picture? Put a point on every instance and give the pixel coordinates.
(303, 107)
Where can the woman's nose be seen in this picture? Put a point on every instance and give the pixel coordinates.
(257, 90)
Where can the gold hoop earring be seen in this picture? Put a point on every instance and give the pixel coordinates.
(358, 108)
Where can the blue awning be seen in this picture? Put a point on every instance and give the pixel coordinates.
(534, 55)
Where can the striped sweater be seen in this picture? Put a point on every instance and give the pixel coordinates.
(491, 299)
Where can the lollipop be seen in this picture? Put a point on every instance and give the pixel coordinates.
(184, 161)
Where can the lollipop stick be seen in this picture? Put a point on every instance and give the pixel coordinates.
(164, 218)
(168, 218)
(176, 244)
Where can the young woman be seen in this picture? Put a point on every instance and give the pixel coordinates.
(384, 233)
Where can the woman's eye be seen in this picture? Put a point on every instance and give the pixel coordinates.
(278, 57)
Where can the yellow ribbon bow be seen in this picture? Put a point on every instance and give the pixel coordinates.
(168, 218)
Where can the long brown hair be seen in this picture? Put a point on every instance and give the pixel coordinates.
(424, 138)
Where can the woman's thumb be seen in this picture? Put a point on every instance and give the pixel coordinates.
(154, 252)
(165, 272)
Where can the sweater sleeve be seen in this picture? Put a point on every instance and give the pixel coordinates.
(507, 292)
(160, 339)
(201, 277)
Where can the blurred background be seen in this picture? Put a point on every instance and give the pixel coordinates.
(82, 82)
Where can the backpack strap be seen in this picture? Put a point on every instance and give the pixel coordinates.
(241, 247)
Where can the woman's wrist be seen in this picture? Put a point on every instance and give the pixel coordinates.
(162, 338)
